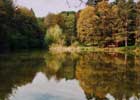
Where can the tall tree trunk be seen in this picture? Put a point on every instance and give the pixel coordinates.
(126, 43)
(125, 59)
(126, 34)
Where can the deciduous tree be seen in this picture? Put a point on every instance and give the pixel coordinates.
(87, 25)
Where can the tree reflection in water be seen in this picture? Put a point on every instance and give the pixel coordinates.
(17, 70)
(101, 75)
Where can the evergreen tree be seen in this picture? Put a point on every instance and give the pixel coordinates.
(138, 24)
(94, 2)
(123, 20)
(19, 28)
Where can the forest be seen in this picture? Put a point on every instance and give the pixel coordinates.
(19, 28)
(101, 24)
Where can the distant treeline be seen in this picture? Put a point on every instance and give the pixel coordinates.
(99, 24)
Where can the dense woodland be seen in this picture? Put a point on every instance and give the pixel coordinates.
(19, 28)
(109, 23)
(101, 23)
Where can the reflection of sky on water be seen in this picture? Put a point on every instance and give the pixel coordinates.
(89, 73)
(43, 89)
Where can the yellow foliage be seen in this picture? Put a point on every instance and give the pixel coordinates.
(25, 11)
(51, 20)
(2, 9)
(86, 24)
(103, 7)
(1, 3)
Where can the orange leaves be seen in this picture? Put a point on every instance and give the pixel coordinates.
(86, 24)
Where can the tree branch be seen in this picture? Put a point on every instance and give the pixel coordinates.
(81, 2)
(68, 3)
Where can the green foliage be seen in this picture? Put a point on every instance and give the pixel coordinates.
(40, 22)
(66, 21)
(19, 28)
(54, 35)
(68, 24)
(93, 2)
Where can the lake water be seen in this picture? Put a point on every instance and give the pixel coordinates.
(81, 76)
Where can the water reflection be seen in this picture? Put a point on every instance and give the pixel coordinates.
(105, 73)
(83, 76)
(17, 70)
(43, 89)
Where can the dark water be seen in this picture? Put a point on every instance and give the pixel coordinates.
(83, 76)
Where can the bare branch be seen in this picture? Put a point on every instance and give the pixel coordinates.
(81, 2)
(68, 3)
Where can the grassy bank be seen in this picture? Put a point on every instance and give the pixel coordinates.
(129, 49)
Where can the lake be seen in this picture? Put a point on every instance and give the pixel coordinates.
(69, 76)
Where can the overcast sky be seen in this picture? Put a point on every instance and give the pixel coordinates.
(43, 7)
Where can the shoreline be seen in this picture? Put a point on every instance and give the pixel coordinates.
(129, 49)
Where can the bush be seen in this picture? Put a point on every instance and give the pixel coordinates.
(54, 35)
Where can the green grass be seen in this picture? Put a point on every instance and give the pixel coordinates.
(129, 49)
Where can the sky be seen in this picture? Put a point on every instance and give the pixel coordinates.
(41, 88)
(43, 7)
